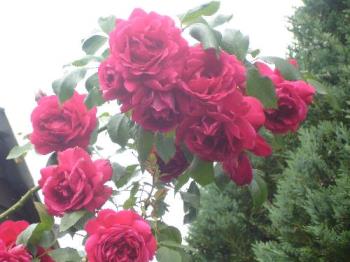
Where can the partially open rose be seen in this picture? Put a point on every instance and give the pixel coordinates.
(75, 183)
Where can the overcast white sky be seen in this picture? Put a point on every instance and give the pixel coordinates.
(38, 37)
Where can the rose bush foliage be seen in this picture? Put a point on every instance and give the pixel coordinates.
(192, 115)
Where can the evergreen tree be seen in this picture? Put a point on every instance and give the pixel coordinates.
(310, 214)
(322, 47)
(226, 226)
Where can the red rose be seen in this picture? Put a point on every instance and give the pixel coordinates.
(210, 79)
(291, 110)
(215, 136)
(58, 127)
(112, 82)
(75, 183)
(119, 236)
(147, 44)
(293, 99)
(9, 251)
(156, 111)
(174, 167)
(239, 169)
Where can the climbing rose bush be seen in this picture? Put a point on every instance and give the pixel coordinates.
(186, 115)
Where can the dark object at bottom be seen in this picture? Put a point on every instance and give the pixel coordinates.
(15, 178)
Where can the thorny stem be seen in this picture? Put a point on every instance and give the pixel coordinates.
(19, 203)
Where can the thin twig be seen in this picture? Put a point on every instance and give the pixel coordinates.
(19, 203)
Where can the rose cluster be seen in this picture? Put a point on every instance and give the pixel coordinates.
(167, 85)
(12, 252)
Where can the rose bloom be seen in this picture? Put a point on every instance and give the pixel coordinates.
(174, 167)
(112, 82)
(144, 68)
(148, 44)
(119, 236)
(210, 79)
(58, 127)
(75, 183)
(239, 169)
(293, 100)
(215, 136)
(9, 251)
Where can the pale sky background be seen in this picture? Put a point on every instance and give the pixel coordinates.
(38, 37)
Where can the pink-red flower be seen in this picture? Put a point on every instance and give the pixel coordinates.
(148, 44)
(174, 167)
(239, 169)
(9, 250)
(293, 98)
(215, 135)
(58, 127)
(209, 79)
(119, 236)
(75, 183)
(144, 68)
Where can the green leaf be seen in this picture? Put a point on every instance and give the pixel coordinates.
(144, 144)
(191, 202)
(208, 37)
(118, 129)
(94, 134)
(19, 151)
(165, 254)
(201, 171)
(107, 23)
(94, 98)
(234, 42)
(202, 10)
(48, 238)
(219, 20)
(121, 175)
(65, 255)
(64, 88)
(86, 59)
(105, 53)
(262, 88)
(131, 201)
(165, 147)
(258, 190)
(254, 53)
(93, 43)
(44, 216)
(70, 219)
(170, 233)
(181, 181)
(192, 199)
(26, 235)
(221, 180)
(190, 216)
(320, 88)
(34, 232)
(91, 82)
(288, 71)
